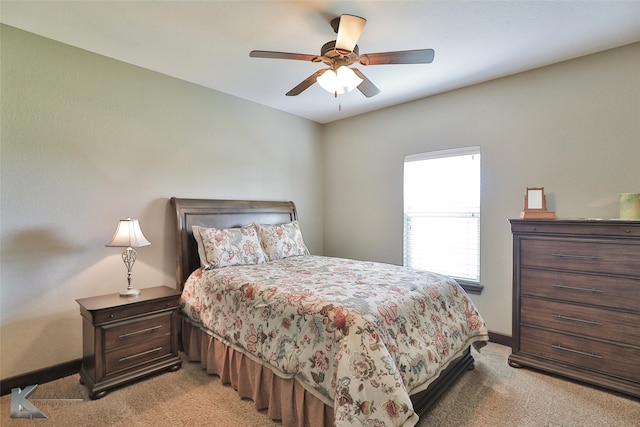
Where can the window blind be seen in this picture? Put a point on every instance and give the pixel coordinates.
(442, 212)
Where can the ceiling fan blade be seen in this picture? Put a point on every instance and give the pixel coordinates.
(283, 55)
(367, 88)
(349, 30)
(306, 83)
(418, 56)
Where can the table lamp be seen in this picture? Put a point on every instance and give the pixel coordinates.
(129, 235)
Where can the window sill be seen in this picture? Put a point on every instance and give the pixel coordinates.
(470, 287)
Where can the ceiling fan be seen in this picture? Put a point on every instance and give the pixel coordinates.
(339, 54)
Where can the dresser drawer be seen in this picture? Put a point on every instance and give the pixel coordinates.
(136, 331)
(608, 229)
(589, 321)
(613, 292)
(119, 313)
(136, 355)
(616, 360)
(602, 256)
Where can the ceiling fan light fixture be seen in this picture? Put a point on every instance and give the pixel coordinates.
(338, 82)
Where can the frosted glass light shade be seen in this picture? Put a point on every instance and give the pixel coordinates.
(342, 81)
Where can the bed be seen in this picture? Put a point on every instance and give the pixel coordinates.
(298, 349)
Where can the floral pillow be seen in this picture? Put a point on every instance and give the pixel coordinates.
(223, 247)
(281, 240)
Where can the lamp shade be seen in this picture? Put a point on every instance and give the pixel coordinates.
(128, 235)
(340, 81)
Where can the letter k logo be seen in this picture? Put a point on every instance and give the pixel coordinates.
(21, 407)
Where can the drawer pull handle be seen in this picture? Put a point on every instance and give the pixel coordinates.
(144, 353)
(592, 257)
(575, 288)
(584, 353)
(142, 331)
(590, 322)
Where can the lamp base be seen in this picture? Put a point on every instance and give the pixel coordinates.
(130, 292)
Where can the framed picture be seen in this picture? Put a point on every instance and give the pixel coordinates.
(535, 204)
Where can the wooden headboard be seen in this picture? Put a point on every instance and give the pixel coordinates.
(220, 214)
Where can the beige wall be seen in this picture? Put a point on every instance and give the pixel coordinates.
(86, 141)
(573, 128)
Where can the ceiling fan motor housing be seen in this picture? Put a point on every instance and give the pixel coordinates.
(329, 50)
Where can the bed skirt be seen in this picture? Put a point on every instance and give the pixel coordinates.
(284, 399)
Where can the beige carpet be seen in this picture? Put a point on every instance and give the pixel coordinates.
(493, 394)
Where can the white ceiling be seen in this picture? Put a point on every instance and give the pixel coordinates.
(208, 42)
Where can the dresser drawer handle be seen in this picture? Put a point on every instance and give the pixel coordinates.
(144, 353)
(559, 347)
(574, 288)
(590, 322)
(592, 257)
(142, 331)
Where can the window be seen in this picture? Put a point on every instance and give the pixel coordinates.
(442, 214)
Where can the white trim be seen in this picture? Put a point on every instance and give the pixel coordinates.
(418, 251)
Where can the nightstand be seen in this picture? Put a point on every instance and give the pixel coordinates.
(126, 338)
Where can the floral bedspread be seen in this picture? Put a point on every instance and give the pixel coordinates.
(361, 336)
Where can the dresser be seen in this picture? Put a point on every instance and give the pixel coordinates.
(576, 300)
(126, 338)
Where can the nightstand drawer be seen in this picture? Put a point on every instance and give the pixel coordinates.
(597, 257)
(591, 322)
(135, 355)
(136, 331)
(118, 313)
(618, 360)
(603, 291)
